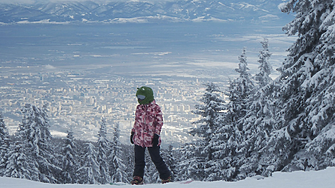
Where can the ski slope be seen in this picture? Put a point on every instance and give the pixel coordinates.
(299, 179)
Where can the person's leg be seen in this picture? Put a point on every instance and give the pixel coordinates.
(139, 161)
(163, 170)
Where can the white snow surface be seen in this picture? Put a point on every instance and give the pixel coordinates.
(298, 179)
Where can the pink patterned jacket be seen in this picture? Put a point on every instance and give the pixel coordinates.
(148, 122)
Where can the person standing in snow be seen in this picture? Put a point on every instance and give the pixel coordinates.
(146, 134)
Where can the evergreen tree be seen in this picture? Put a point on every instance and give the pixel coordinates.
(225, 143)
(103, 148)
(34, 133)
(228, 137)
(117, 167)
(19, 165)
(239, 92)
(265, 68)
(259, 118)
(190, 163)
(4, 145)
(258, 123)
(89, 172)
(170, 160)
(211, 111)
(304, 131)
(128, 156)
(70, 160)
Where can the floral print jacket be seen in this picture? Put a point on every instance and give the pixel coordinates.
(148, 122)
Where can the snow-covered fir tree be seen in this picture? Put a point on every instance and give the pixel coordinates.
(128, 157)
(170, 160)
(190, 163)
(239, 91)
(70, 163)
(89, 172)
(304, 136)
(117, 167)
(211, 112)
(103, 149)
(265, 69)
(19, 165)
(4, 145)
(258, 123)
(259, 118)
(228, 137)
(34, 134)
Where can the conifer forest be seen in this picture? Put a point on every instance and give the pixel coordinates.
(264, 125)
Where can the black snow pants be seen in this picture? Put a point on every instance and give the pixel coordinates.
(164, 172)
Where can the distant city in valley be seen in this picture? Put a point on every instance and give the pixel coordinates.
(78, 100)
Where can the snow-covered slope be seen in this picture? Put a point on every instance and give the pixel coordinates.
(140, 11)
(312, 179)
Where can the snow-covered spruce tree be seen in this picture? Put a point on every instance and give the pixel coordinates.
(128, 156)
(103, 149)
(211, 112)
(4, 145)
(259, 118)
(89, 172)
(239, 92)
(265, 68)
(170, 160)
(224, 143)
(305, 127)
(70, 163)
(34, 134)
(257, 126)
(227, 140)
(19, 165)
(117, 167)
(190, 163)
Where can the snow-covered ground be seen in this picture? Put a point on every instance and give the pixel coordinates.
(299, 179)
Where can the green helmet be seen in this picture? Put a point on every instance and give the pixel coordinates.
(144, 95)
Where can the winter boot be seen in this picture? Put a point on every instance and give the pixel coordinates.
(166, 180)
(137, 180)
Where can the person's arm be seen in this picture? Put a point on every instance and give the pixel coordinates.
(136, 119)
(133, 129)
(159, 120)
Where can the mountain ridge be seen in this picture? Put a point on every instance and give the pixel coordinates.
(140, 11)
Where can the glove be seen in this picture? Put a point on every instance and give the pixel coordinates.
(131, 137)
(155, 140)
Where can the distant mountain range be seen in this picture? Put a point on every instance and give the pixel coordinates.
(92, 11)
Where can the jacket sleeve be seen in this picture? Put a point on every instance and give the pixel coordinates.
(159, 120)
(136, 119)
